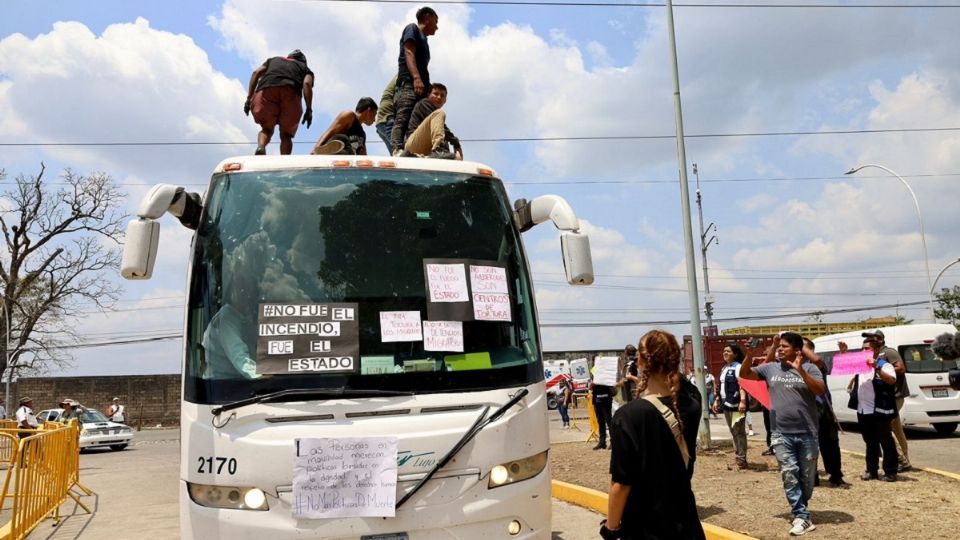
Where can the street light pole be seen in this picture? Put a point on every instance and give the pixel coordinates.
(696, 333)
(923, 235)
(944, 269)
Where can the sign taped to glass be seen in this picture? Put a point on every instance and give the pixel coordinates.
(305, 338)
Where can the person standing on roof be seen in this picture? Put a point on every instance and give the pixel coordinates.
(413, 77)
(345, 134)
(274, 96)
(385, 115)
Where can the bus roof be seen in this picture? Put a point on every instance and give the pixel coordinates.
(273, 163)
(893, 335)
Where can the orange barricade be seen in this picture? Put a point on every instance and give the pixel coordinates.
(42, 469)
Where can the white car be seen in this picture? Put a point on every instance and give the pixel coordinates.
(96, 430)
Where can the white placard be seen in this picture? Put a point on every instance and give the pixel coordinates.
(345, 477)
(400, 326)
(491, 307)
(606, 370)
(488, 279)
(443, 336)
(447, 283)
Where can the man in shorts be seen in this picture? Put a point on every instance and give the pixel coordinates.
(274, 96)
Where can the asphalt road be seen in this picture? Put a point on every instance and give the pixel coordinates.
(136, 496)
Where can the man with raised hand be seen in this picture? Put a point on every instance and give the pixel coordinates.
(901, 391)
(413, 76)
(273, 96)
(793, 384)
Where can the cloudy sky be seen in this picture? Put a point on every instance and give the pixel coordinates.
(778, 103)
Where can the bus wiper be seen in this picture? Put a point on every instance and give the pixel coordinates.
(482, 421)
(322, 393)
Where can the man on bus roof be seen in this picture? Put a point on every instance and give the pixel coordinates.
(274, 97)
(345, 134)
(877, 340)
(429, 134)
(413, 77)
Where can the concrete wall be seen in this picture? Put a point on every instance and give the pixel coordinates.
(149, 399)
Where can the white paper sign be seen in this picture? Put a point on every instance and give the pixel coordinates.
(488, 279)
(491, 307)
(443, 336)
(345, 477)
(400, 326)
(447, 283)
(606, 372)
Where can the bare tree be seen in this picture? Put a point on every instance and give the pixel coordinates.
(62, 239)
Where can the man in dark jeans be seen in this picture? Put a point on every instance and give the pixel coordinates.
(413, 77)
(603, 406)
(828, 432)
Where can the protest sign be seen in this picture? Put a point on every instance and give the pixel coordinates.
(851, 363)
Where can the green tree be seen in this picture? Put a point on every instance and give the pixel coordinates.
(61, 242)
(949, 310)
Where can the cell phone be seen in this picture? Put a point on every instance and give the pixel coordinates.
(754, 342)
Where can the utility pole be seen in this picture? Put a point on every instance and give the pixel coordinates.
(704, 245)
(693, 297)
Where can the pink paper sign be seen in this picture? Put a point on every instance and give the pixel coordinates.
(851, 362)
(758, 390)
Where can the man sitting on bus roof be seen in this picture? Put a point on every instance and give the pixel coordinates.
(345, 134)
(429, 135)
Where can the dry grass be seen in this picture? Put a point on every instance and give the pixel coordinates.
(920, 505)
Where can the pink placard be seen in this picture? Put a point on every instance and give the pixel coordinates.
(757, 389)
(851, 362)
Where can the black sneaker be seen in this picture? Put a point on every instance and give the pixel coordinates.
(260, 151)
(889, 478)
(904, 468)
(838, 482)
(767, 452)
(441, 153)
(868, 476)
(600, 446)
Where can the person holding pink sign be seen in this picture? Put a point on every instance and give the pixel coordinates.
(873, 395)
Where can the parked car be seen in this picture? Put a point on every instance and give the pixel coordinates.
(96, 430)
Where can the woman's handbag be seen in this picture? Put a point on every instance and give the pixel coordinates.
(854, 401)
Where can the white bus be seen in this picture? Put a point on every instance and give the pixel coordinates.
(931, 400)
(335, 297)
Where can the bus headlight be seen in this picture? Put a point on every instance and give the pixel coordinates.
(515, 471)
(234, 498)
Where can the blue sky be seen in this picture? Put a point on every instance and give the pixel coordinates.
(793, 236)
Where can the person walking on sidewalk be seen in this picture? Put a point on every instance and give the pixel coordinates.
(793, 384)
(413, 75)
(732, 401)
(273, 96)
(891, 355)
(650, 495)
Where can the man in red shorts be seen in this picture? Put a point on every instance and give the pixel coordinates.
(274, 97)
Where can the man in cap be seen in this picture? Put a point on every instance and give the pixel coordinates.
(24, 415)
(877, 341)
(116, 411)
(274, 96)
(70, 410)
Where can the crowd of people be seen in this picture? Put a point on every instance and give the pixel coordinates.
(409, 118)
(652, 436)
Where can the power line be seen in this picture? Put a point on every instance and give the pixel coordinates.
(603, 138)
(726, 319)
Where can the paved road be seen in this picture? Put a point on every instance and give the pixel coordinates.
(136, 496)
(927, 447)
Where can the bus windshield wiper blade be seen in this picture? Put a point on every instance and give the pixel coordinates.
(482, 421)
(322, 393)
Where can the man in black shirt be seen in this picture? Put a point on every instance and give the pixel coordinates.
(413, 78)
(345, 134)
(274, 97)
(429, 134)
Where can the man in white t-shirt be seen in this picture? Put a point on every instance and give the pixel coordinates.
(25, 417)
(116, 411)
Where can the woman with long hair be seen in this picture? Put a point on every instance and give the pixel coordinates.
(732, 401)
(650, 494)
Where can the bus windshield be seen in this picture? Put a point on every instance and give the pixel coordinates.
(362, 252)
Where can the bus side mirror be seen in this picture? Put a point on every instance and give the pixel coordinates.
(140, 249)
(577, 261)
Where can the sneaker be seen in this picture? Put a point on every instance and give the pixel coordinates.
(767, 452)
(600, 446)
(838, 482)
(440, 153)
(904, 468)
(742, 465)
(750, 433)
(868, 476)
(889, 478)
(399, 152)
(260, 151)
(801, 526)
(327, 149)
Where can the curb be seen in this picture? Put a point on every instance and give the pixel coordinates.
(597, 501)
(945, 474)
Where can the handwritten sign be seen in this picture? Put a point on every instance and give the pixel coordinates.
(443, 336)
(447, 283)
(851, 362)
(345, 477)
(488, 279)
(491, 307)
(400, 326)
(606, 370)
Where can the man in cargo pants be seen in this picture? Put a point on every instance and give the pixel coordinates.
(413, 77)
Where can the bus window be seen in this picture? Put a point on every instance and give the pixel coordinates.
(920, 359)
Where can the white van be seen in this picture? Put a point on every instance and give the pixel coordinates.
(931, 400)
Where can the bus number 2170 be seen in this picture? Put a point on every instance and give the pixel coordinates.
(212, 465)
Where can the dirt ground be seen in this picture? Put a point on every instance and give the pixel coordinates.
(919, 505)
